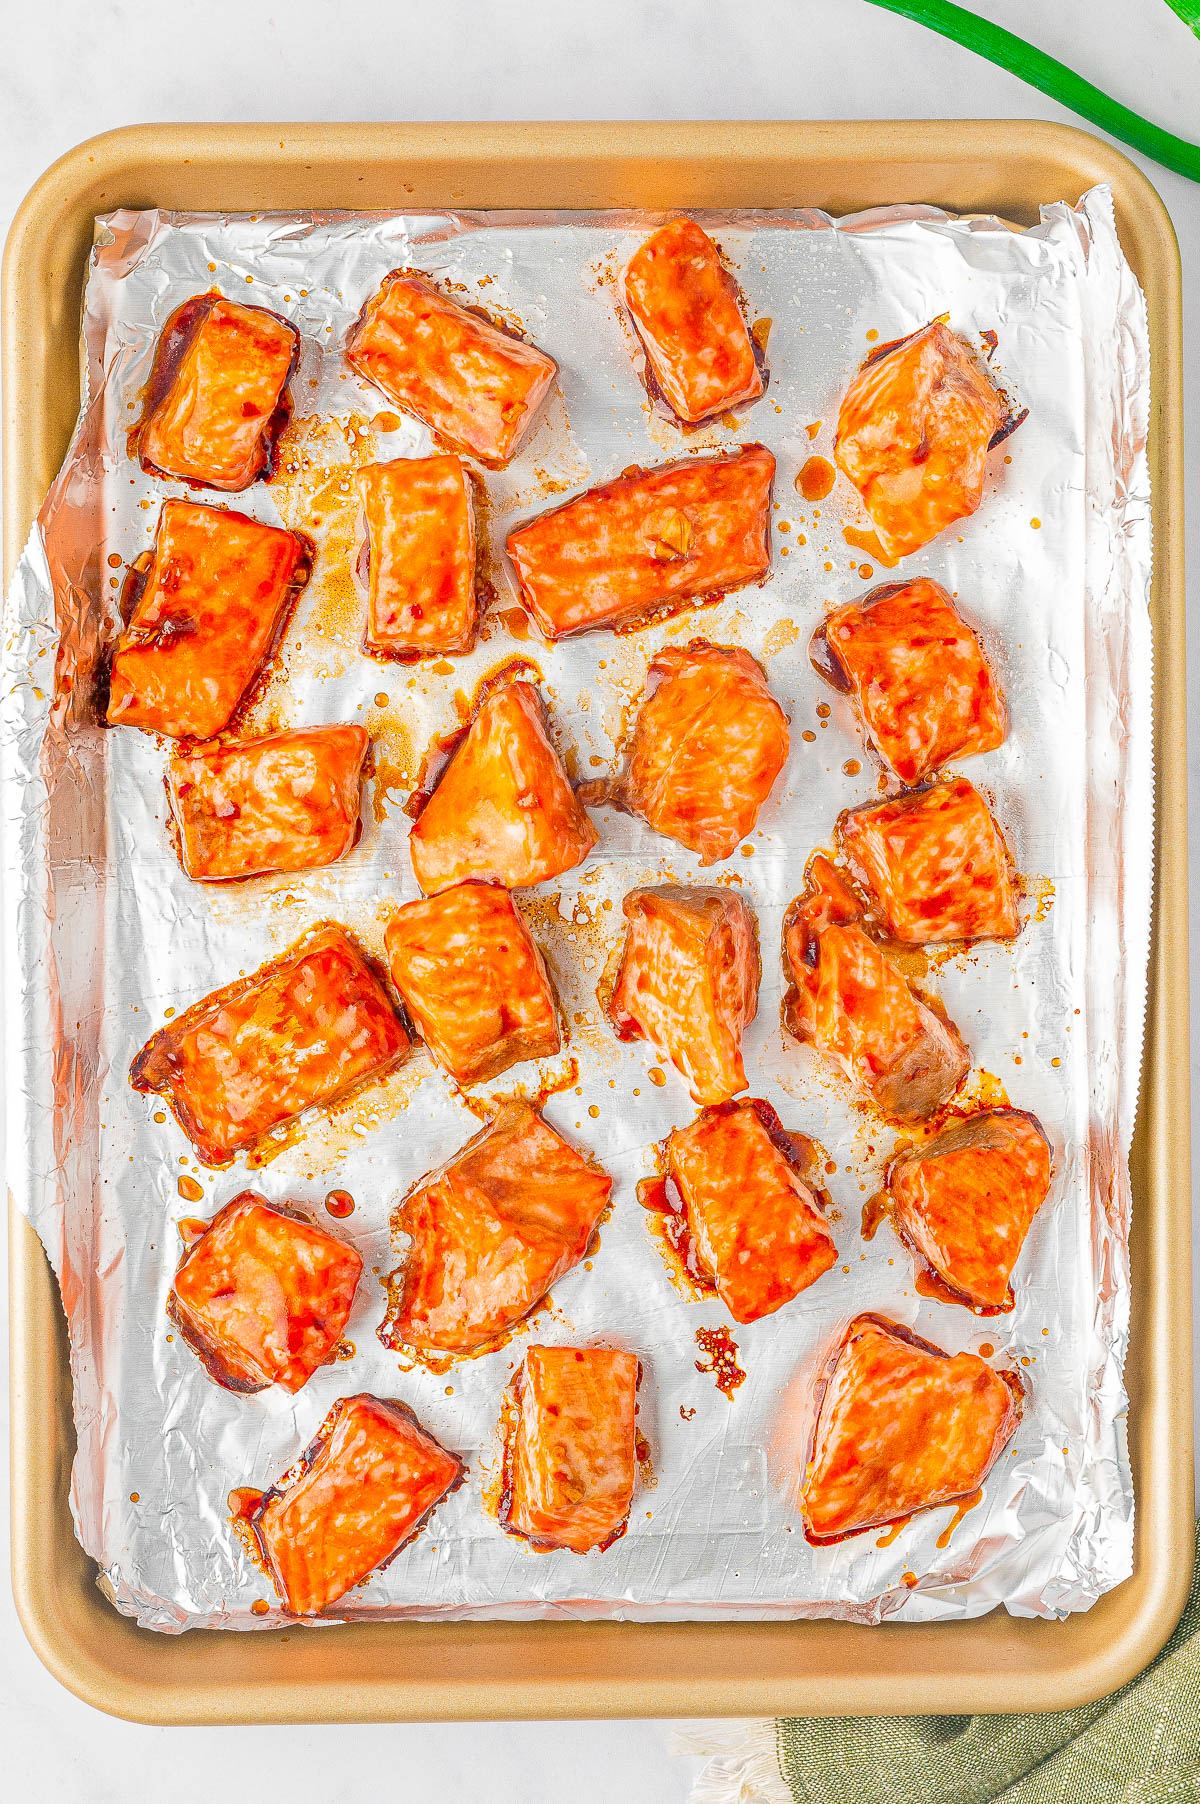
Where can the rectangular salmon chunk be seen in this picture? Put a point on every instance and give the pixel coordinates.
(684, 304)
(473, 981)
(366, 1486)
(208, 609)
(918, 674)
(420, 549)
(490, 1233)
(850, 1000)
(688, 982)
(936, 863)
(966, 1200)
(263, 1295)
(298, 1032)
(572, 1453)
(289, 802)
(913, 434)
(650, 540)
(477, 387)
(216, 400)
(756, 1228)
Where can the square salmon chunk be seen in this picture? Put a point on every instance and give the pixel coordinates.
(217, 397)
(652, 540)
(684, 304)
(709, 741)
(850, 1000)
(208, 608)
(913, 434)
(420, 554)
(289, 802)
(366, 1486)
(502, 808)
(490, 1233)
(472, 980)
(936, 863)
(571, 1455)
(688, 982)
(923, 687)
(477, 387)
(966, 1200)
(296, 1033)
(756, 1229)
(263, 1296)
(901, 1426)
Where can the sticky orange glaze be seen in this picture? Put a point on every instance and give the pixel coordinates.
(420, 525)
(849, 999)
(688, 982)
(477, 387)
(721, 1359)
(965, 1200)
(709, 741)
(685, 307)
(473, 981)
(367, 1484)
(289, 802)
(650, 538)
(502, 808)
(216, 402)
(491, 1231)
(262, 1296)
(936, 862)
(298, 1032)
(758, 1231)
(902, 1426)
(816, 479)
(913, 435)
(572, 1452)
(208, 613)
(924, 689)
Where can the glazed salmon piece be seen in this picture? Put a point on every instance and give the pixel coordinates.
(650, 540)
(936, 863)
(913, 434)
(756, 1228)
(289, 802)
(263, 1295)
(709, 741)
(571, 1454)
(688, 983)
(902, 1426)
(851, 1001)
(208, 608)
(473, 981)
(420, 550)
(924, 689)
(367, 1484)
(477, 387)
(966, 1200)
(216, 400)
(296, 1033)
(684, 305)
(502, 808)
(491, 1232)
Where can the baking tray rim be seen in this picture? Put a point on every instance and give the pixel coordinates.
(471, 1670)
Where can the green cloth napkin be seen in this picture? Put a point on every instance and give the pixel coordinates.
(1141, 1745)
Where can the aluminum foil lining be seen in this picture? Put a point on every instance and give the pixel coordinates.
(105, 937)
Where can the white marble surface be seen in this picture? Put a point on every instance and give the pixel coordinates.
(71, 68)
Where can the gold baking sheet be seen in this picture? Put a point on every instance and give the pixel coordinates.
(414, 1670)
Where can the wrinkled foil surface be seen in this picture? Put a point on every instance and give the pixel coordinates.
(105, 938)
